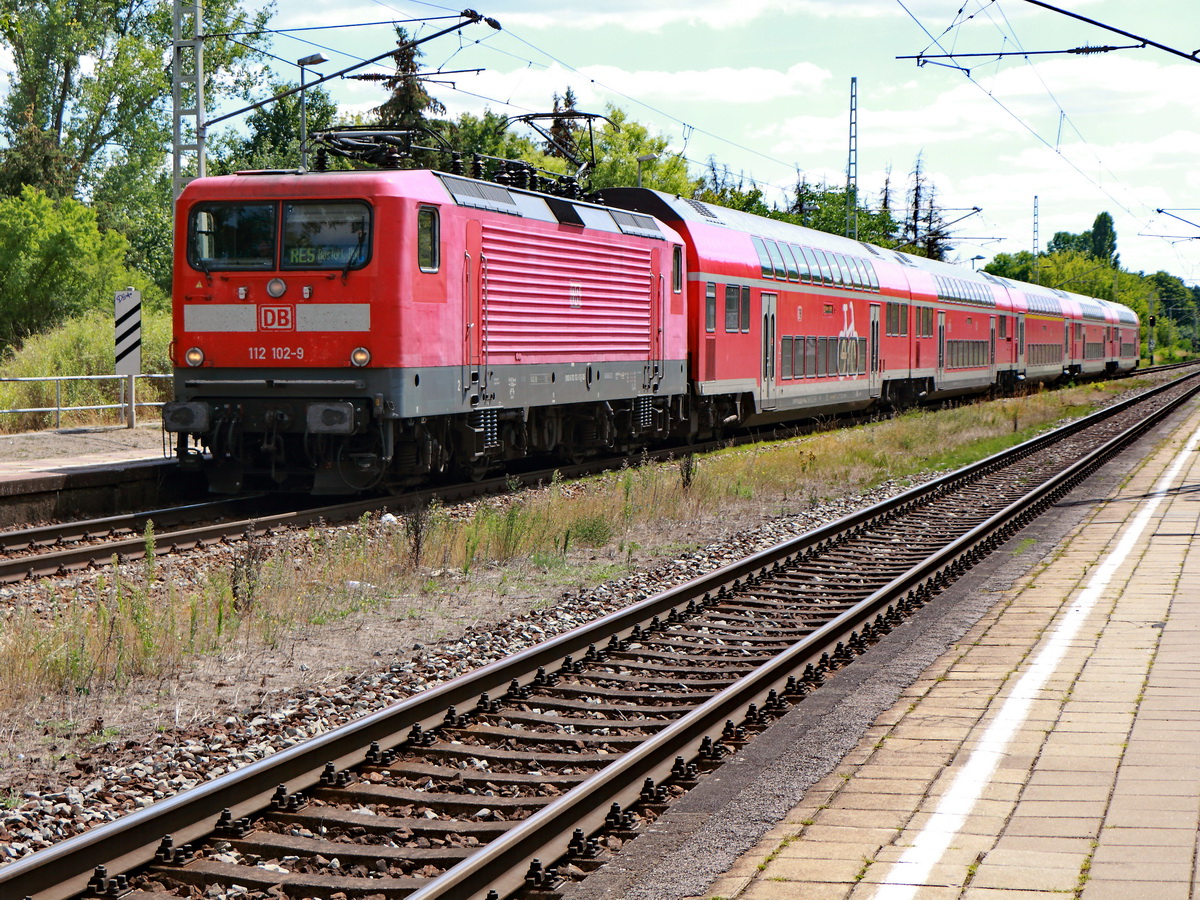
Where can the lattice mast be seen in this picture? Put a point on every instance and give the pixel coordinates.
(1037, 264)
(852, 165)
(187, 91)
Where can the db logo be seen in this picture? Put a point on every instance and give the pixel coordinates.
(276, 318)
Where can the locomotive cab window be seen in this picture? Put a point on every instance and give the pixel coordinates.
(326, 235)
(232, 236)
(429, 249)
(677, 270)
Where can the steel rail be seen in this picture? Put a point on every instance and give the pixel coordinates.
(34, 536)
(55, 562)
(501, 865)
(63, 870)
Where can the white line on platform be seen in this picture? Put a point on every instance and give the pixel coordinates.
(911, 871)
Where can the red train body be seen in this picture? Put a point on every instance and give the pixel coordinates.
(338, 331)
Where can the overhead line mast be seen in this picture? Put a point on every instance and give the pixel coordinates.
(852, 165)
(187, 90)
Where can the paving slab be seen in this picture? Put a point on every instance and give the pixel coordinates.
(1093, 790)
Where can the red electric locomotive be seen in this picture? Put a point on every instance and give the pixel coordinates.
(336, 331)
(340, 330)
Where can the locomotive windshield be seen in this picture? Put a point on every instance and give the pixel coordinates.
(325, 235)
(315, 235)
(232, 236)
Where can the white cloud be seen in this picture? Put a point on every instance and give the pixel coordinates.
(639, 16)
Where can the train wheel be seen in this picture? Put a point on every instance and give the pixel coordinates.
(360, 470)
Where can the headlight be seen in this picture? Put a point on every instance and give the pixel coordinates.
(360, 356)
(276, 287)
(194, 357)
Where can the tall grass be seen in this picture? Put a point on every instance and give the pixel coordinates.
(82, 346)
(139, 623)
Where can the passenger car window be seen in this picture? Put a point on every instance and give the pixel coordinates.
(731, 307)
(789, 260)
(777, 260)
(764, 258)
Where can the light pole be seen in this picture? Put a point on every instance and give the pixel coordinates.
(644, 158)
(314, 59)
(974, 260)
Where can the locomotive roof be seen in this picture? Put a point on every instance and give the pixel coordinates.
(436, 187)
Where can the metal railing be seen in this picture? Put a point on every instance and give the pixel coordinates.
(127, 401)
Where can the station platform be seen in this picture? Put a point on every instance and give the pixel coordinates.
(1052, 750)
(81, 473)
(52, 451)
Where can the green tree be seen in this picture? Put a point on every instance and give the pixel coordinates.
(1104, 240)
(722, 188)
(271, 139)
(1017, 266)
(410, 105)
(1078, 272)
(90, 81)
(1100, 242)
(140, 206)
(489, 135)
(618, 144)
(824, 208)
(1066, 242)
(55, 262)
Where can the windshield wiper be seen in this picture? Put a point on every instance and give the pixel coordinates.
(362, 239)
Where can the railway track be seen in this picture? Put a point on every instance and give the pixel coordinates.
(538, 767)
(50, 550)
(46, 551)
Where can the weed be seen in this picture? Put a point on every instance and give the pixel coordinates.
(687, 471)
(245, 570)
(416, 529)
(862, 872)
(593, 530)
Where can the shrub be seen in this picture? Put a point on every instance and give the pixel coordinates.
(81, 346)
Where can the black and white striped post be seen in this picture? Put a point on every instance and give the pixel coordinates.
(127, 331)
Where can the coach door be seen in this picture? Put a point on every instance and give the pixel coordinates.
(654, 365)
(992, 351)
(1021, 341)
(873, 353)
(769, 353)
(941, 366)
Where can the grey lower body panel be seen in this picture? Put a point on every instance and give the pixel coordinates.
(416, 392)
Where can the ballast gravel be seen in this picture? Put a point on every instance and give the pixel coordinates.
(116, 778)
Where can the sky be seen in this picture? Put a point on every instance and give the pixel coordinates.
(763, 86)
